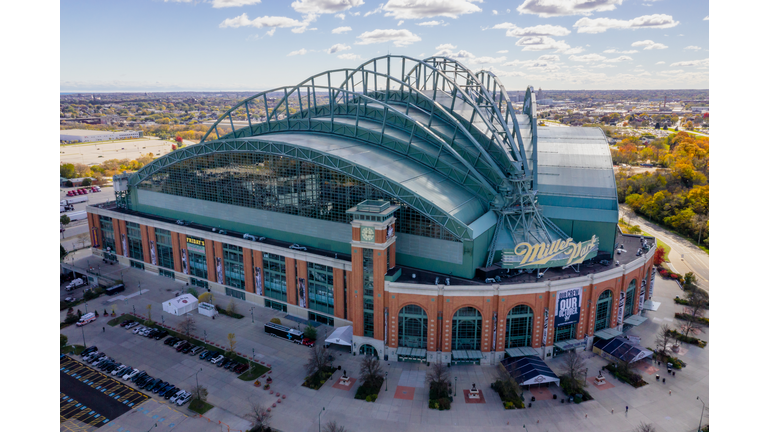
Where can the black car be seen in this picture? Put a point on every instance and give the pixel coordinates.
(155, 388)
(203, 353)
(150, 383)
(87, 351)
(232, 365)
(187, 349)
(143, 380)
(152, 333)
(161, 391)
(173, 392)
(224, 363)
(135, 378)
(171, 340)
(161, 334)
(211, 354)
(165, 390)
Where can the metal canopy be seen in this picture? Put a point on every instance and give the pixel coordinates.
(530, 370)
(607, 333)
(622, 349)
(635, 320)
(521, 352)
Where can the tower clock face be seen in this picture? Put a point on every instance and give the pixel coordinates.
(367, 234)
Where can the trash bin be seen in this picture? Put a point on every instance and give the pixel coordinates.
(386, 357)
(554, 396)
(533, 398)
(657, 377)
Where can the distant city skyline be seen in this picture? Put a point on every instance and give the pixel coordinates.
(255, 45)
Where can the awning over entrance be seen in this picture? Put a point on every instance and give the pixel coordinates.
(340, 336)
(462, 355)
(521, 352)
(571, 344)
(608, 333)
(635, 320)
(620, 349)
(529, 370)
(411, 352)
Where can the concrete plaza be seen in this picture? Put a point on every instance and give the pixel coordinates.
(303, 407)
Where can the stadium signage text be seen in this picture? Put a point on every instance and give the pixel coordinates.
(558, 253)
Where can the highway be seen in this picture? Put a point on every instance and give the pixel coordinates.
(684, 257)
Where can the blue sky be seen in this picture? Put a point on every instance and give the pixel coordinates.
(174, 45)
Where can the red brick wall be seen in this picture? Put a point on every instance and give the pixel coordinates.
(355, 291)
(178, 242)
(210, 260)
(338, 293)
(301, 269)
(248, 270)
(145, 238)
(290, 281)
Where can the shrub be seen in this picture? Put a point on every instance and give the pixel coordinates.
(369, 388)
(275, 320)
(368, 398)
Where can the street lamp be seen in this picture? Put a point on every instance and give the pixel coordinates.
(81, 328)
(386, 384)
(134, 309)
(455, 384)
(253, 356)
(252, 321)
(318, 418)
(152, 427)
(703, 405)
(139, 288)
(196, 382)
(205, 336)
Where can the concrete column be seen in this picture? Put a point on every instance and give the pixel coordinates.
(338, 293)
(178, 242)
(379, 272)
(145, 238)
(290, 280)
(355, 291)
(248, 270)
(210, 260)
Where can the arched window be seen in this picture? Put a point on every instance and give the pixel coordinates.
(467, 329)
(603, 312)
(519, 327)
(629, 302)
(412, 327)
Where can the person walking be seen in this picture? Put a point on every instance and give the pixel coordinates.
(627, 409)
(611, 410)
(103, 329)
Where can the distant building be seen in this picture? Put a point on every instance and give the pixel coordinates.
(539, 95)
(699, 109)
(81, 135)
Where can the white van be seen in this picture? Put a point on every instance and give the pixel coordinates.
(77, 283)
(85, 319)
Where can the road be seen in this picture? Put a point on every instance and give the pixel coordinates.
(76, 234)
(684, 257)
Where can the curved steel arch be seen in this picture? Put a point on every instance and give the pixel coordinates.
(491, 162)
(326, 160)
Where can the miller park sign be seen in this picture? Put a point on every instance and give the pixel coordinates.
(559, 253)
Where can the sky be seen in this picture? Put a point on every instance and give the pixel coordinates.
(227, 45)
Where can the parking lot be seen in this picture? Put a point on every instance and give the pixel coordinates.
(92, 397)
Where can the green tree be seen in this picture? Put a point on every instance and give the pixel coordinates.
(62, 252)
(67, 170)
(86, 181)
(310, 332)
(65, 220)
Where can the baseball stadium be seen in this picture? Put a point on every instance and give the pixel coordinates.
(405, 198)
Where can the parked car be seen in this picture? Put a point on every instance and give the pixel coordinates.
(138, 329)
(132, 325)
(296, 246)
(70, 299)
(187, 348)
(184, 399)
(161, 334)
(240, 368)
(232, 365)
(217, 359)
(158, 385)
(203, 353)
(130, 374)
(196, 350)
(308, 342)
(182, 345)
(180, 394)
(152, 333)
(166, 390)
(88, 350)
(179, 343)
(125, 323)
(136, 377)
(120, 369)
(170, 394)
(171, 340)
(210, 355)
(223, 363)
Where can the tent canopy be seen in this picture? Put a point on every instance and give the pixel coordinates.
(622, 349)
(180, 305)
(341, 336)
(529, 370)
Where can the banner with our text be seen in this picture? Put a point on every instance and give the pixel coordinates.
(568, 306)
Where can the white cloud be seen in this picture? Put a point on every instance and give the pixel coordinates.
(324, 6)
(549, 57)
(355, 13)
(399, 23)
(375, 11)
(661, 63)
(487, 60)
(349, 56)
(619, 59)
(672, 72)
(704, 62)
(339, 30)
(495, 12)
(615, 51)
(649, 45)
(259, 22)
(587, 58)
(692, 47)
(233, 3)
(602, 66)
(340, 15)
(706, 18)
(297, 52)
(600, 25)
(272, 32)
(418, 9)
(552, 8)
(501, 73)
(502, 52)
(644, 74)
(445, 47)
(400, 37)
(338, 47)
(428, 23)
(538, 30)
(542, 43)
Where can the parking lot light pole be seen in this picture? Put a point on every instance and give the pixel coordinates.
(134, 309)
(386, 384)
(86, 346)
(455, 384)
(703, 405)
(252, 321)
(152, 427)
(318, 419)
(205, 336)
(253, 351)
(197, 382)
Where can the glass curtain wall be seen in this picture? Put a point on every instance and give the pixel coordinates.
(107, 233)
(467, 329)
(134, 241)
(233, 266)
(412, 327)
(282, 185)
(603, 312)
(565, 332)
(274, 276)
(368, 292)
(519, 327)
(320, 287)
(629, 302)
(164, 247)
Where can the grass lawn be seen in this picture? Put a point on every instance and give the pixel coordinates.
(72, 349)
(253, 373)
(199, 406)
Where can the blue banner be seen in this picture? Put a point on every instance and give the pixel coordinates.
(568, 307)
